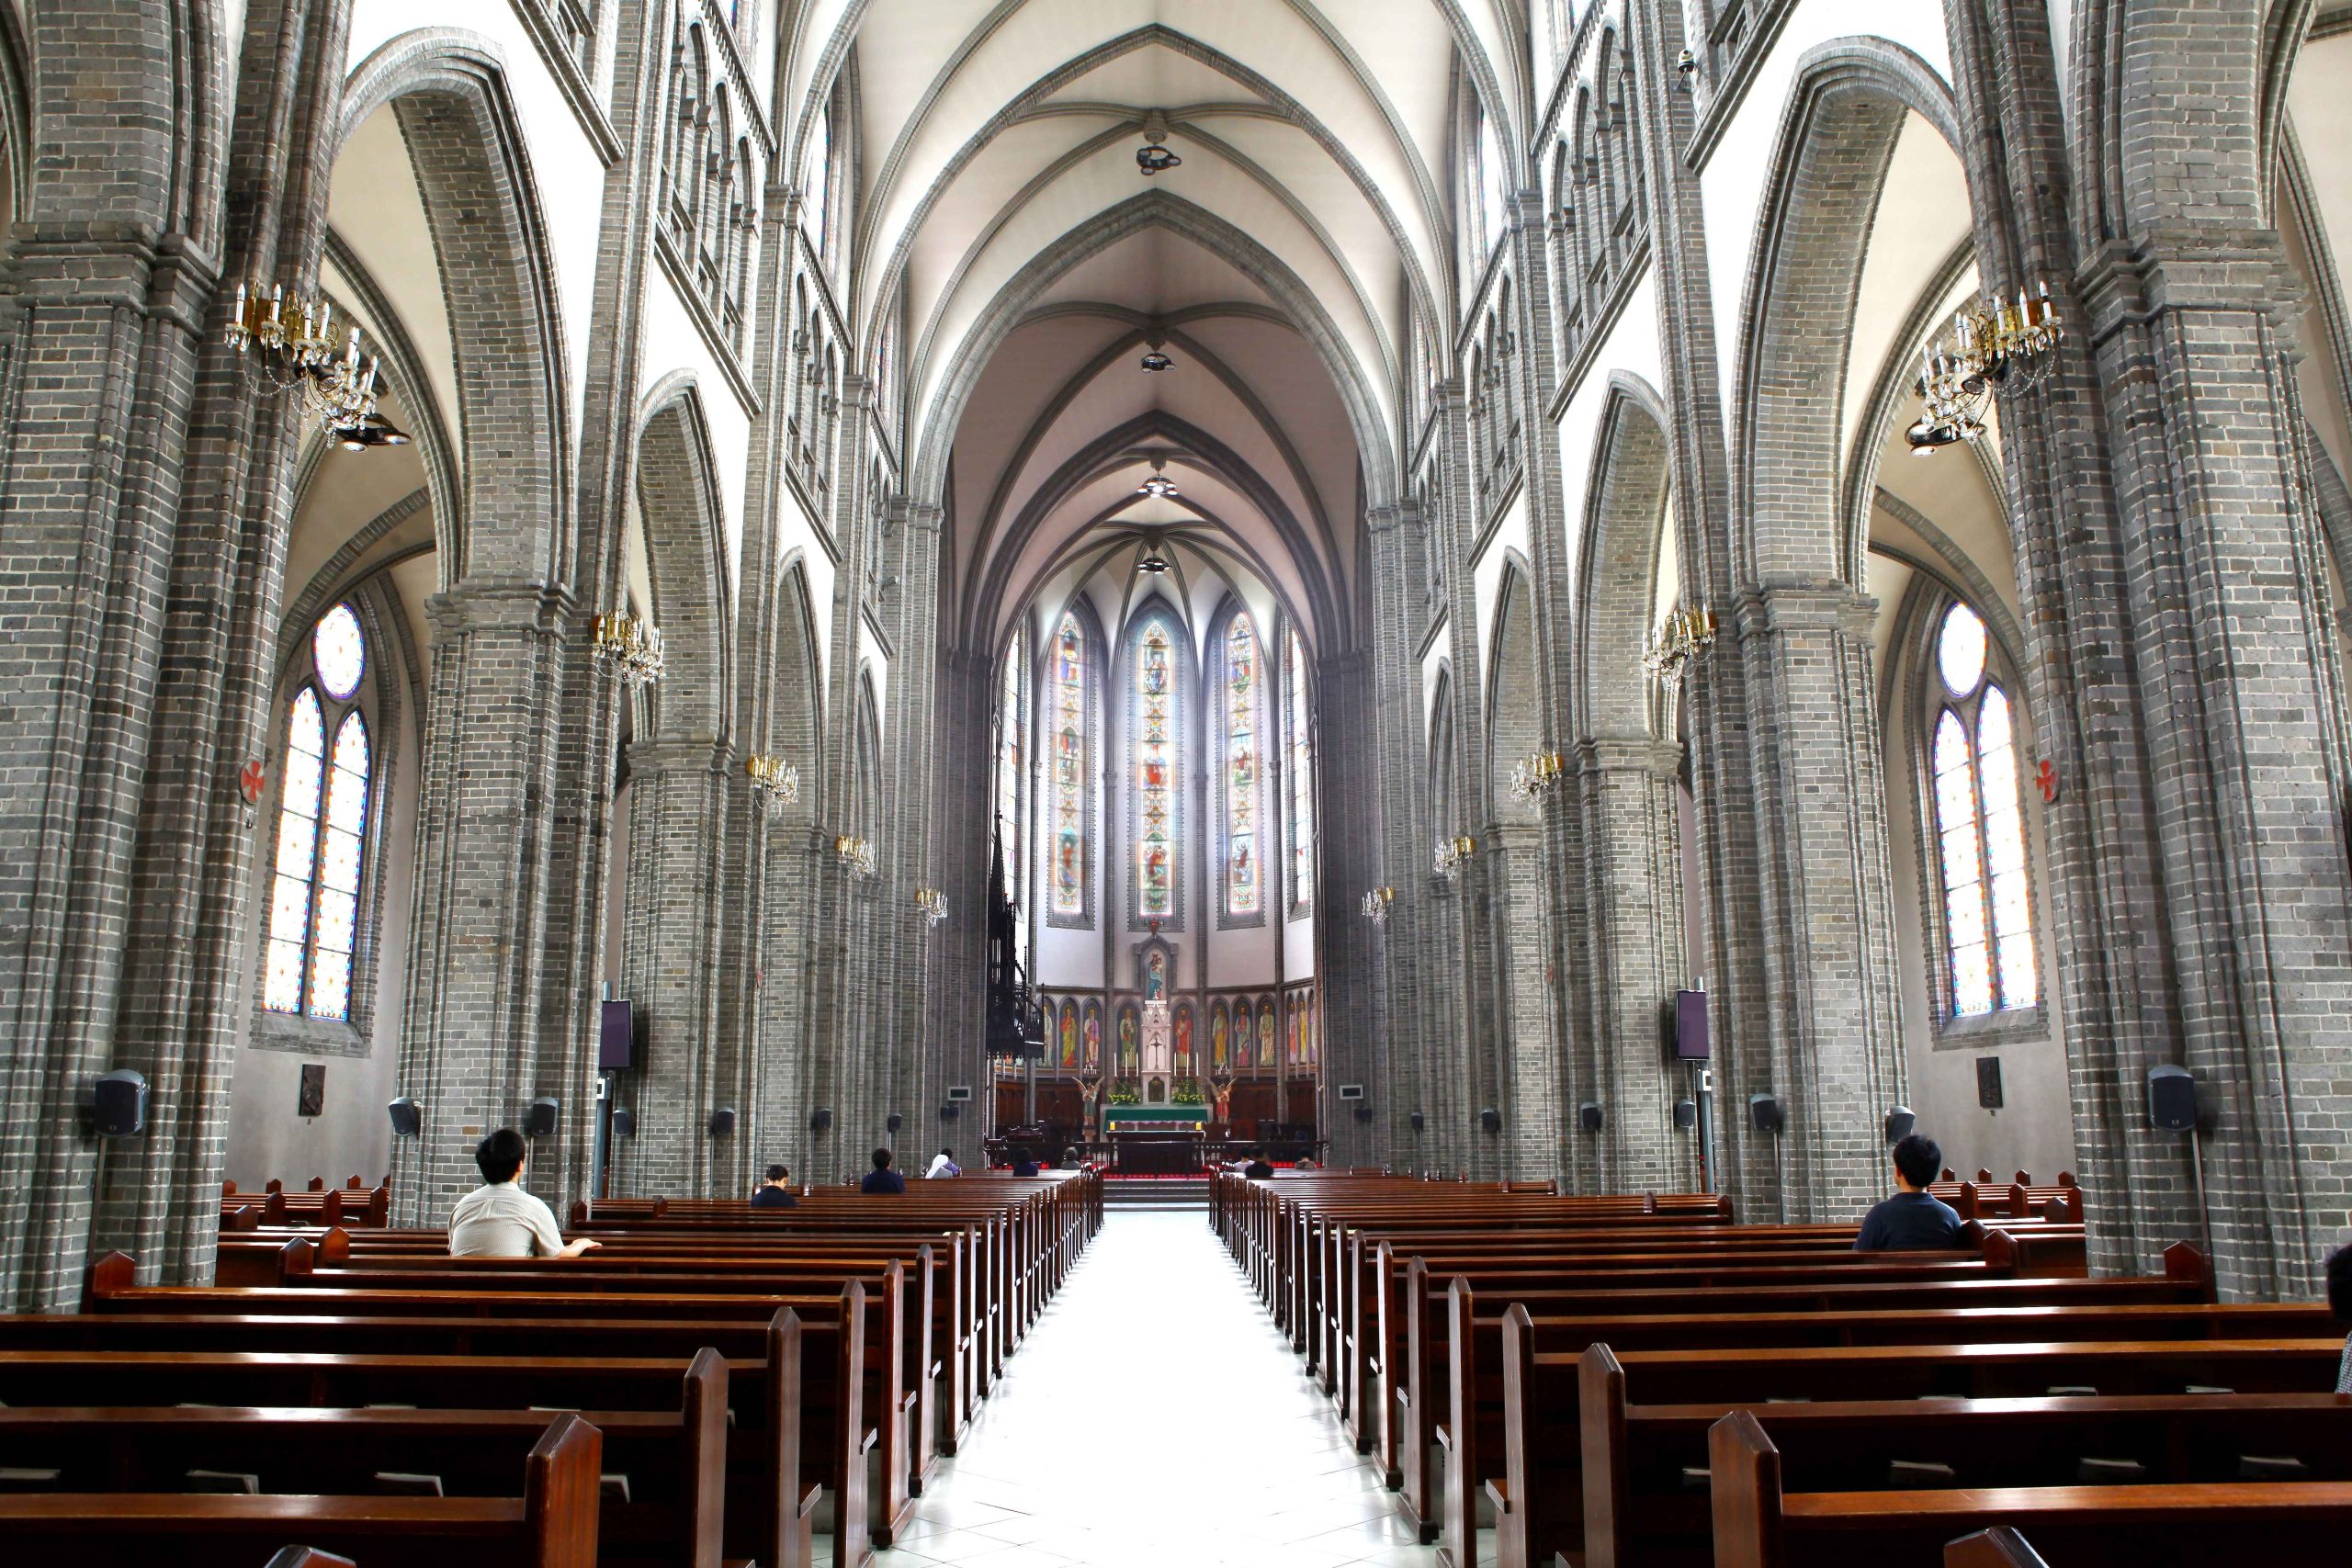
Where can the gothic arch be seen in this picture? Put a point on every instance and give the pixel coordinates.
(1120, 714)
(1845, 110)
(680, 509)
(1617, 579)
(457, 114)
(927, 474)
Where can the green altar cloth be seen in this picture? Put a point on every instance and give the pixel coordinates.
(1171, 1117)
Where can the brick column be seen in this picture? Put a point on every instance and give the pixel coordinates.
(669, 970)
(1394, 761)
(1831, 1055)
(473, 1052)
(916, 950)
(1347, 946)
(1636, 962)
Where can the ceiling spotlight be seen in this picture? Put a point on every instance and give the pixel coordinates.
(1160, 486)
(1153, 562)
(1154, 159)
(1155, 362)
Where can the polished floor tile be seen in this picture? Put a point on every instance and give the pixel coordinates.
(1156, 1419)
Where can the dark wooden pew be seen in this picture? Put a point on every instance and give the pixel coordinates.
(1758, 1524)
(551, 1525)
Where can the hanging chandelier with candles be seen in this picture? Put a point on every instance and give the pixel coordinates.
(856, 855)
(2000, 347)
(294, 347)
(631, 646)
(931, 904)
(1376, 901)
(1537, 774)
(1452, 852)
(776, 783)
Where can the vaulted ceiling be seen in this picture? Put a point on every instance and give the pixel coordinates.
(1284, 266)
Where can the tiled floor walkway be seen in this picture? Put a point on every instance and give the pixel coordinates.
(1156, 1418)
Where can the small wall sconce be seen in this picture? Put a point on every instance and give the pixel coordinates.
(776, 783)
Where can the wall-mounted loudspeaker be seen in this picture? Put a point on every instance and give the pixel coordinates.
(539, 1120)
(1417, 1121)
(1690, 1026)
(1589, 1116)
(1363, 1112)
(2172, 1099)
(821, 1121)
(894, 1121)
(1490, 1120)
(624, 1123)
(407, 1121)
(722, 1123)
(1686, 1114)
(949, 1112)
(1900, 1123)
(1766, 1113)
(118, 1104)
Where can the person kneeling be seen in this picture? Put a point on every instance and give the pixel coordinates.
(1914, 1220)
(499, 1219)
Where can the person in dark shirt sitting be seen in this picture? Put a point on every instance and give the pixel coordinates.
(776, 1192)
(1914, 1220)
(882, 1179)
(1023, 1162)
(1258, 1169)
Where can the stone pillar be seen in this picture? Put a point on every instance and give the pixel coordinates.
(1636, 962)
(1347, 946)
(473, 1052)
(1832, 1055)
(1398, 767)
(109, 281)
(670, 969)
(915, 950)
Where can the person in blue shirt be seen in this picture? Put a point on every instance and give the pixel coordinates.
(1023, 1162)
(882, 1179)
(1914, 1220)
(776, 1192)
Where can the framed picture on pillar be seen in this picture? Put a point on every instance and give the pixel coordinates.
(1185, 1067)
(1265, 1031)
(1091, 1034)
(1220, 1036)
(1067, 1034)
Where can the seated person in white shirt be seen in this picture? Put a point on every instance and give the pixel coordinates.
(944, 1164)
(499, 1219)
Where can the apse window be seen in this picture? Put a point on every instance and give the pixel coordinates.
(1980, 827)
(323, 808)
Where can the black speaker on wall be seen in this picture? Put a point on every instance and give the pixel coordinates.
(894, 1121)
(539, 1120)
(821, 1121)
(624, 1123)
(1766, 1113)
(1589, 1116)
(950, 1112)
(1363, 1113)
(722, 1123)
(1490, 1120)
(2172, 1099)
(1900, 1123)
(407, 1121)
(118, 1104)
(1686, 1114)
(1417, 1121)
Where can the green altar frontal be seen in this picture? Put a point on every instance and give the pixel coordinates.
(1156, 1118)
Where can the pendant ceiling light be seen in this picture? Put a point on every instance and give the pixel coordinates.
(1153, 562)
(1155, 362)
(1160, 486)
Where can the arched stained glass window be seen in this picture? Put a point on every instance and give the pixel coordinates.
(1244, 723)
(1070, 736)
(1157, 751)
(1980, 828)
(324, 802)
(1011, 745)
(1298, 743)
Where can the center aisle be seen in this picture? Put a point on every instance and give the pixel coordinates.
(1155, 1418)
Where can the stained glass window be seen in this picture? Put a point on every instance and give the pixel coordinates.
(322, 831)
(1013, 730)
(1155, 755)
(1070, 769)
(1980, 830)
(1244, 879)
(1298, 735)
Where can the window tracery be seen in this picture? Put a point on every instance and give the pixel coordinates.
(1980, 827)
(324, 802)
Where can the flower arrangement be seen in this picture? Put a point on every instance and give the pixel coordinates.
(1186, 1092)
(1125, 1092)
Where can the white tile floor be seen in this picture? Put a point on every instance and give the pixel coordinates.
(1156, 1418)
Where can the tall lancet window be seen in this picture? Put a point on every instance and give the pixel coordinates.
(1011, 754)
(1245, 878)
(1298, 744)
(1980, 827)
(1156, 771)
(1067, 877)
(321, 829)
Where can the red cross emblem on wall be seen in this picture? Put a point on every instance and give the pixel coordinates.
(251, 781)
(2046, 780)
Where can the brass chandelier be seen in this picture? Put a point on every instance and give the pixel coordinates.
(631, 646)
(776, 783)
(295, 349)
(1997, 347)
(1537, 774)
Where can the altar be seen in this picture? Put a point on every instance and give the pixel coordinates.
(1166, 1150)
